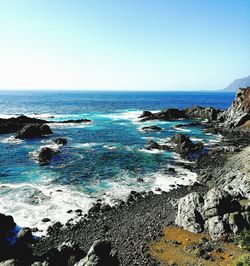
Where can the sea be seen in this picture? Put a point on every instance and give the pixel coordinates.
(103, 159)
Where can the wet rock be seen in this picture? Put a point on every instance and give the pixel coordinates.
(145, 114)
(61, 141)
(25, 235)
(153, 145)
(33, 131)
(12, 125)
(45, 155)
(168, 114)
(151, 129)
(45, 220)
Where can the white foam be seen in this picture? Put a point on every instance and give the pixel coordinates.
(51, 202)
(129, 115)
(11, 140)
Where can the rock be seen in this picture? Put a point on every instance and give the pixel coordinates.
(25, 235)
(45, 220)
(151, 129)
(189, 214)
(209, 113)
(153, 145)
(145, 114)
(168, 114)
(6, 223)
(12, 125)
(99, 254)
(61, 141)
(45, 155)
(73, 121)
(239, 113)
(183, 144)
(11, 262)
(33, 131)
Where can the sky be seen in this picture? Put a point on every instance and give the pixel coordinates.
(123, 44)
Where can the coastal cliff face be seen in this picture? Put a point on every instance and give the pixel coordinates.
(238, 115)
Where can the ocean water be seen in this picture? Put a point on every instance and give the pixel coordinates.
(103, 159)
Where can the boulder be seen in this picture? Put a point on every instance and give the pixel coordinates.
(61, 141)
(25, 235)
(239, 112)
(45, 155)
(99, 254)
(189, 214)
(6, 223)
(217, 212)
(33, 131)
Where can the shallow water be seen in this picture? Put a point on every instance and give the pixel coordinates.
(103, 159)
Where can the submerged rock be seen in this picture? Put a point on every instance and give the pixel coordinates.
(33, 131)
(61, 141)
(151, 128)
(153, 145)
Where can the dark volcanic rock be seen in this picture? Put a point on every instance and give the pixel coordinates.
(145, 114)
(183, 144)
(151, 128)
(61, 141)
(25, 235)
(168, 114)
(73, 121)
(153, 145)
(33, 131)
(238, 115)
(6, 223)
(45, 155)
(12, 125)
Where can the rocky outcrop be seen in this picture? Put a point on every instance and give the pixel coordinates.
(168, 114)
(183, 145)
(209, 113)
(239, 113)
(100, 254)
(217, 212)
(153, 145)
(14, 124)
(33, 131)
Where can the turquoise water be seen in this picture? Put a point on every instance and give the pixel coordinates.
(103, 159)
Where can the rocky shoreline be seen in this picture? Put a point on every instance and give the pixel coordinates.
(120, 235)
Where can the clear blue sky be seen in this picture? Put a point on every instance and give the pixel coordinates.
(123, 44)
